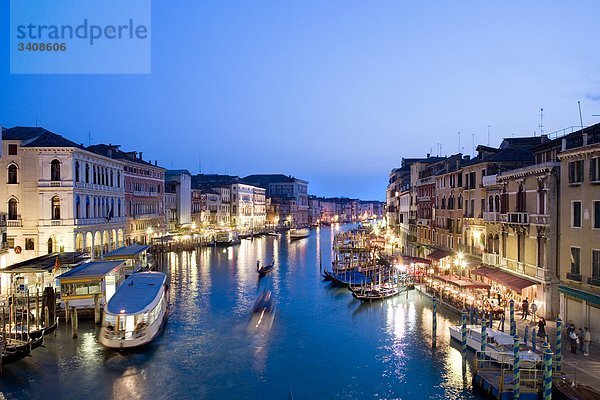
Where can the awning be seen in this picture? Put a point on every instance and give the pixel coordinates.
(439, 254)
(462, 283)
(591, 298)
(509, 280)
(413, 260)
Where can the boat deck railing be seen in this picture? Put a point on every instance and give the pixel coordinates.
(124, 335)
(499, 366)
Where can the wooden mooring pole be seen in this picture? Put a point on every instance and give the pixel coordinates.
(74, 322)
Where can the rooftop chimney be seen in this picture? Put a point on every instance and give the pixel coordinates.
(428, 155)
(155, 162)
(141, 155)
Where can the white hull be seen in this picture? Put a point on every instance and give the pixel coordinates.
(107, 339)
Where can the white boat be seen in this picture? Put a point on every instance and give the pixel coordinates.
(136, 312)
(299, 233)
(499, 344)
(227, 238)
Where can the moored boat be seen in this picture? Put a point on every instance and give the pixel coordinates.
(299, 233)
(499, 345)
(137, 311)
(378, 292)
(227, 238)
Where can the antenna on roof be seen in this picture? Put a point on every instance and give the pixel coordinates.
(459, 141)
(580, 118)
(473, 145)
(489, 126)
(541, 121)
(89, 138)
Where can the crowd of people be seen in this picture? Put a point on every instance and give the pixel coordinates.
(579, 339)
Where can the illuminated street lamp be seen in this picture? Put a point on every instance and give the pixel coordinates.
(460, 263)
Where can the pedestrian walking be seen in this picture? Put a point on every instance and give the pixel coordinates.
(587, 339)
(501, 323)
(541, 328)
(580, 335)
(573, 341)
(533, 307)
(525, 306)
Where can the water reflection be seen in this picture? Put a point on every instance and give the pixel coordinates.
(322, 343)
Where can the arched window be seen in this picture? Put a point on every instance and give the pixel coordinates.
(118, 179)
(77, 207)
(56, 207)
(460, 201)
(111, 178)
(119, 207)
(12, 209)
(87, 207)
(491, 204)
(95, 175)
(497, 203)
(521, 196)
(12, 174)
(76, 171)
(87, 173)
(55, 170)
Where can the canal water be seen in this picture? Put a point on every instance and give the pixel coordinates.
(323, 343)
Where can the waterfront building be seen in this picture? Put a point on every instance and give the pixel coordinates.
(144, 194)
(198, 210)
(281, 212)
(248, 208)
(59, 196)
(579, 241)
(285, 188)
(314, 210)
(171, 219)
(448, 207)
(521, 214)
(179, 182)
(3, 241)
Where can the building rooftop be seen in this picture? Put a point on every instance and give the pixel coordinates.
(113, 151)
(46, 262)
(37, 137)
(94, 269)
(136, 293)
(265, 179)
(126, 251)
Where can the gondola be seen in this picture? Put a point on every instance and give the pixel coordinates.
(376, 293)
(44, 331)
(13, 353)
(266, 268)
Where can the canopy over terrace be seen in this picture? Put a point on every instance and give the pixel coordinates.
(511, 281)
(38, 272)
(463, 283)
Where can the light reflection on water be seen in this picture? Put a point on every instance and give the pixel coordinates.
(323, 344)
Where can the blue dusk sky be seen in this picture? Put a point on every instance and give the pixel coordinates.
(332, 92)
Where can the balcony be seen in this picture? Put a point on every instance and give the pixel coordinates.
(574, 277)
(520, 218)
(143, 193)
(423, 198)
(539, 219)
(491, 216)
(594, 281)
(526, 269)
(53, 184)
(99, 221)
(490, 258)
(423, 221)
(14, 223)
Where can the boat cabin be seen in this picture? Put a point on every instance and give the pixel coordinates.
(99, 279)
(136, 257)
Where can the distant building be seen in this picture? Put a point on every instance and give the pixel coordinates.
(179, 182)
(291, 192)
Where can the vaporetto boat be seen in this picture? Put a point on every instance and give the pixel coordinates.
(136, 312)
(499, 345)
